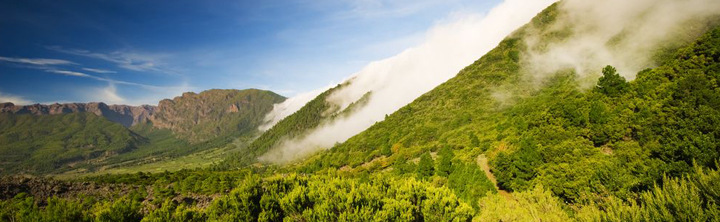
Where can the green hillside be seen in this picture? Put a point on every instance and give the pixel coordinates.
(221, 120)
(491, 144)
(215, 114)
(297, 125)
(45, 144)
(582, 145)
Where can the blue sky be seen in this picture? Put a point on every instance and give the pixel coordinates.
(137, 52)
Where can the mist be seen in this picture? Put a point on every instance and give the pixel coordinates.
(625, 34)
(396, 81)
(288, 107)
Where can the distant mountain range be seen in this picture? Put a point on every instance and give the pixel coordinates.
(122, 114)
(175, 127)
(181, 114)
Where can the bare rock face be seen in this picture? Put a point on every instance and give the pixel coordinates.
(213, 113)
(233, 108)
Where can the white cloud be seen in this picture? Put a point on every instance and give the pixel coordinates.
(113, 81)
(17, 100)
(71, 73)
(115, 94)
(36, 61)
(107, 95)
(398, 80)
(110, 95)
(102, 71)
(135, 61)
(620, 33)
(288, 107)
(158, 93)
(379, 9)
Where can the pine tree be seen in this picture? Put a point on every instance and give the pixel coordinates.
(611, 83)
(425, 166)
(385, 150)
(474, 141)
(444, 167)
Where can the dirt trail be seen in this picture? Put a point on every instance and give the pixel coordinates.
(482, 161)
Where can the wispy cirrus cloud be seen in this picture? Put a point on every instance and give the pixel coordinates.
(36, 61)
(385, 8)
(101, 71)
(69, 73)
(51, 66)
(134, 61)
(111, 95)
(113, 81)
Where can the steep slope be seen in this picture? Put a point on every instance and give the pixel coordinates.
(552, 129)
(44, 144)
(613, 150)
(214, 113)
(382, 87)
(297, 125)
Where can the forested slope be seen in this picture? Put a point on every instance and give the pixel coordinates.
(83, 137)
(580, 143)
(44, 144)
(617, 150)
(311, 116)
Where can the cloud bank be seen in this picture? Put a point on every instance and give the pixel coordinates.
(288, 107)
(394, 82)
(17, 100)
(621, 33)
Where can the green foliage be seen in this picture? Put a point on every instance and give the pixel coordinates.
(44, 144)
(536, 204)
(168, 184)
(622, 151)
(445, 166)
(308, 117)
(172, 211)
(123, 209)
(514, 171)
(469, 183)
(20, 208)
(426, 166)
(614, 140)
(690, 198)
(611, 83)
(328, 198)
(217, 113)
(194, 122)
(385, 150)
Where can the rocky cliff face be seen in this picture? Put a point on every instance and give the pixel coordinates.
(213, 113)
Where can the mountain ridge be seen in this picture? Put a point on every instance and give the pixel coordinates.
(133, 135)
(161, 116)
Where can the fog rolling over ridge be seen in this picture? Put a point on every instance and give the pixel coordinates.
(621, 33)
(288, 107)
(396, 81)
